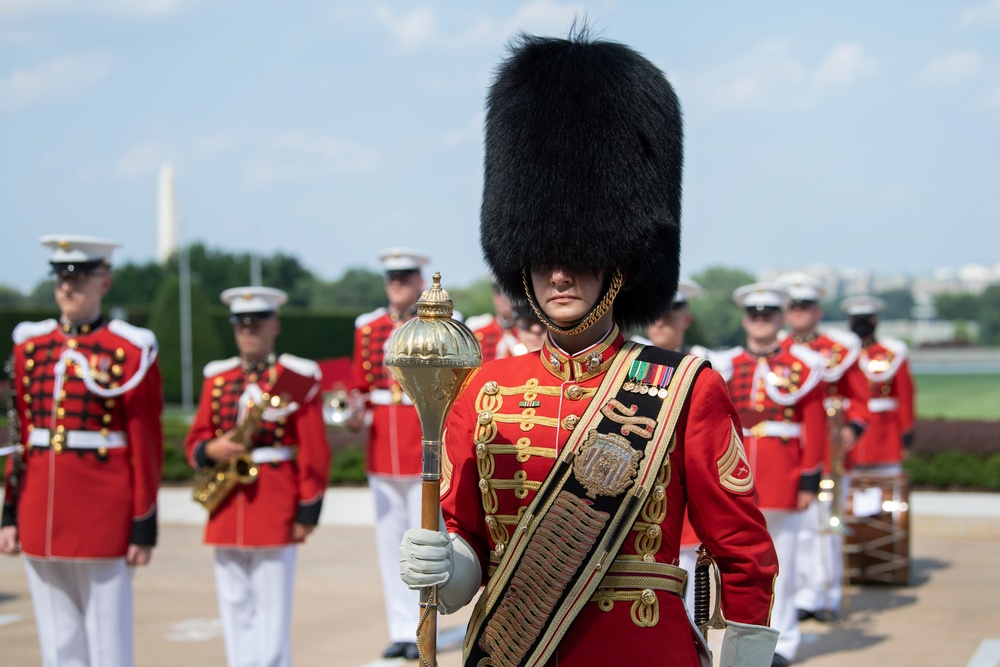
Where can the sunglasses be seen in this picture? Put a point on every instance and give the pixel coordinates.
(762, 313)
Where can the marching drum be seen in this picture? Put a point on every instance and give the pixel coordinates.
(877, 540)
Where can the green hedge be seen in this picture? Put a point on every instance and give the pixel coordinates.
(955, 470)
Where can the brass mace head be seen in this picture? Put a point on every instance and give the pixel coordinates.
(433, 357)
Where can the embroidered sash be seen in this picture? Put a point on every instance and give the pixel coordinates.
(569, 535)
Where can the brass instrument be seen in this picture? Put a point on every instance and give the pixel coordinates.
(213, 484)
(833, 487)
(433, 357)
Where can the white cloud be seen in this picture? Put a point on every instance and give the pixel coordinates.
(773, 74)
(56, 79)
(298, 154)
(987, 13)
(952, 68)
(120, 8)
(142, 159)
(412, 30)
(843, 66)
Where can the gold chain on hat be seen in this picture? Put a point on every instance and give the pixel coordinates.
(596, 313)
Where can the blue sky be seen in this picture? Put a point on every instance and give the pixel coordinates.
(855, 134)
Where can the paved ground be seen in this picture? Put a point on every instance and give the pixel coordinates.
(948, 616)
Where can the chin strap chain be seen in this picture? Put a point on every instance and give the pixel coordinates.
(596, 313)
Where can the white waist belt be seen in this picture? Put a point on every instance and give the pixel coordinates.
(272, 454)
(41, 437)
(384, 397)
(883, 404)
(774, 430)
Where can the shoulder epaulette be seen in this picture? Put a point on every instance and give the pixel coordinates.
(477, 322)
(304, 367)
(362, 320)
(220, 366)
(25, 331)
(141, 338)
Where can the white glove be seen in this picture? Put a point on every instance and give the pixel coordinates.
(747, 645)
(433, 558)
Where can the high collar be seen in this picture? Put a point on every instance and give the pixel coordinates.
(81, 329)
(397, 316)
(805, 339)
(585, 364)
(766, 354)
(257, 367)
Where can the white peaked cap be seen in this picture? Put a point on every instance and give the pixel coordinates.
(686, 290)
(802, 286)
(761, 295)
(70, 249)
(253, 299)
(862, 304)
(402, 259)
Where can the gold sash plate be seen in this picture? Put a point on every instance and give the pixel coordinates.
(606, 464)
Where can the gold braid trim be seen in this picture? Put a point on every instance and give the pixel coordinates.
(561, 543)
(596, 313)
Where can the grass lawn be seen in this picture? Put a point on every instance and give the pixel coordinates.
(972, 396)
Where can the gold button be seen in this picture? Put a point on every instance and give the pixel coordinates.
(569, 423)
(485, 417)
(279, 432)
(366, 365)
(217, 392)
(116, 370)
(366, 329)
(215, 405)
(106, 419)
(120, 354)
(27, 399)
(61, 428)
(796, 366)
(61, 412)
(104, 432)
(491, 388)
(759, 407)
(484, 485)
(25, 380)
(219, 432)
(653, 530)
(649, 558)
(219, 381)
(27, 414)
(29, 364)
(216, 419)
(102, 451)
(72, 344)
(648, 596)
(659, 493)
(886, 390)
(29, 347)
(491, 521)
(499, 549)
(574, 393)
(109, 403)
(789, 412)
(481, 451)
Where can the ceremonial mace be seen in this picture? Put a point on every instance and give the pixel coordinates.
(432, 357)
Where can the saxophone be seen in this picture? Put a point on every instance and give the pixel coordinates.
(213, 484)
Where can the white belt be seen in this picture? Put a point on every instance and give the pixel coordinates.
(774, 430)
(272, 454)
(883, 404)
(41, 437)
(384, 397)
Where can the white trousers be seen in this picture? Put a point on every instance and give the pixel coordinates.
(820, 561)
(784, 529)
(83, 610)
(254, 588)
(397, 509)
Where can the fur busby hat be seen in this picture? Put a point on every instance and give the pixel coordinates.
(584, 153)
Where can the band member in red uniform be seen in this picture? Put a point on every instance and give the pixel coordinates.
(496, 332)
(567, 471)
(394, 435)
(89, 400)
(820, 546)
(257, 526)
(883, 387)
(776, 393)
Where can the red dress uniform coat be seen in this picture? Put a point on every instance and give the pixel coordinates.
(394, 434)
(784, 423)
(492, 472)
(840, 352)
(883, 387)
(89, 401)
(289, 491)
(494, 341)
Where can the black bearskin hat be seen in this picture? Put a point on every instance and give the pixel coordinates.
(584, 153)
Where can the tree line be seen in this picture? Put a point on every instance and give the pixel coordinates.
(153, 288)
